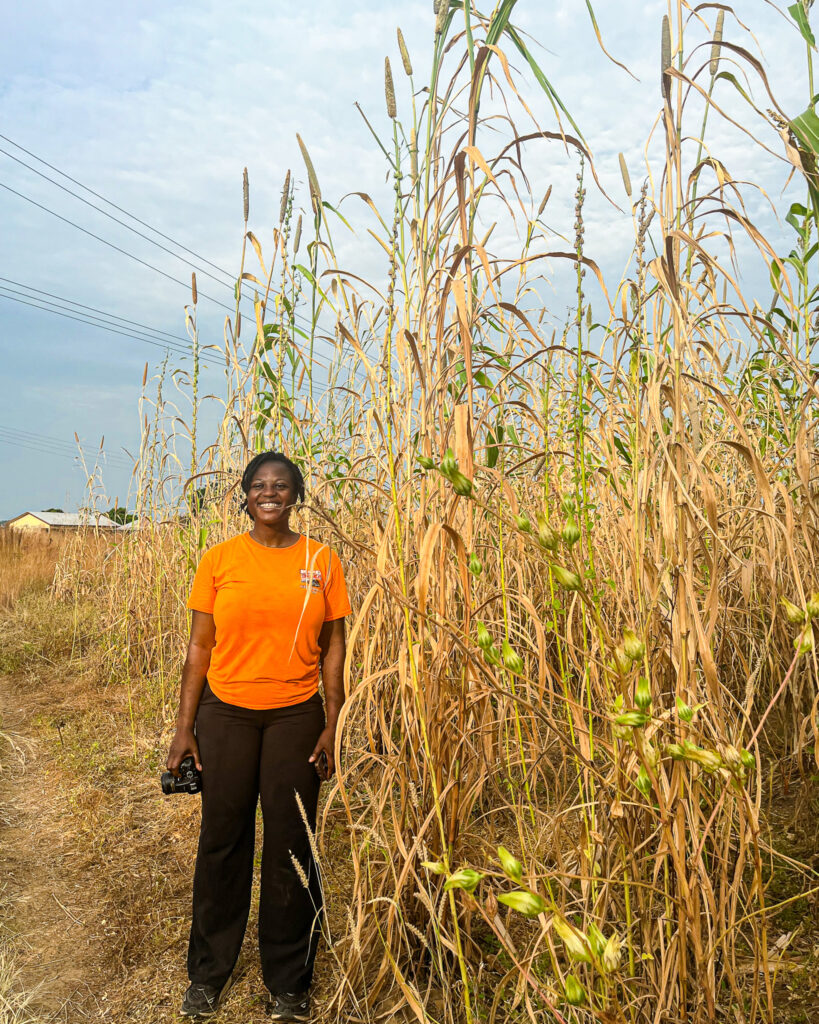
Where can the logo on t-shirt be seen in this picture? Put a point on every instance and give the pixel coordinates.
(311, 579)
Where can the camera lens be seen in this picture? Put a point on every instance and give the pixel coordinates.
(168, 782)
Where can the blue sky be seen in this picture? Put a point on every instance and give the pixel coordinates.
(159, 106)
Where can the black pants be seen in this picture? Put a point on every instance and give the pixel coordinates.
(246, 754)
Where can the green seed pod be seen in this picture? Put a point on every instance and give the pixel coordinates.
(461, 484)
(522, 522)
(568, 504)
(510, 864)
(748, 759)
(622, 662)
(633, 645)
(575, 993)
(575, 941)
(511, 659)
(675, 750)
(475, 565)
(633, 719)
(425, 461)
(570, 532)
(812, 607)
(803, 644)
(435, 866)
(527, 903)
(651, 754)
(642, 695)
(448, 464)
(597, 940)
(643, 781)
(466, 878)
(708, 760)
(685, 711)
(492, 656)
(484, 638)
(547, 538)
(732, 757)
(565, 578)
(612, 954)
(793, 613)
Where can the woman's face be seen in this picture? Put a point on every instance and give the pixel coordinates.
(271, 494)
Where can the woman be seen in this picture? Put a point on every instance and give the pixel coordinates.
(268, 614)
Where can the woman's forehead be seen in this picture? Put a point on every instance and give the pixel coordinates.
(272, 471)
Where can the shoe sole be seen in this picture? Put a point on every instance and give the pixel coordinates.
(210, 1013)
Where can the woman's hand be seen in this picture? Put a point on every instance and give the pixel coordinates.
(183, 743)
(323, 756)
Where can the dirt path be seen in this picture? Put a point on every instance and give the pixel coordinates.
(47, 919)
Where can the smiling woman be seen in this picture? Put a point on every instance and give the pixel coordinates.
(268, 618)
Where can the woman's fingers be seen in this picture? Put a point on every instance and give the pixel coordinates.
(182, 747)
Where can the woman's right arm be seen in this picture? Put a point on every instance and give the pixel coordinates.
(194, 673)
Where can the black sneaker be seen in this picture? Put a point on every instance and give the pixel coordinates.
(290, 1006)
(204, 1000)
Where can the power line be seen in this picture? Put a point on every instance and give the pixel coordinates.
(156, 231)
(93, 309)
(116, 220)
(41, 451)
(124, 252)
(49, 307)
(89, 318)
(47, 451)
(44, 439)
(165, 345)
(296, 316)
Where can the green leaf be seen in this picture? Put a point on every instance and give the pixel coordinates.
(797, 12)
(308, 274)
(806, 129)
(793, 215)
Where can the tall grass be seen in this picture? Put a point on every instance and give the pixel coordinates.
(28, 560)
(569, 675)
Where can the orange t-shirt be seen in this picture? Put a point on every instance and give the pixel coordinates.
(269, 605)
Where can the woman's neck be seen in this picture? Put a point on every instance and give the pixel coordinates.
(274, 536)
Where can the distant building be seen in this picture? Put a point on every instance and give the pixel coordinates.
(60, 521)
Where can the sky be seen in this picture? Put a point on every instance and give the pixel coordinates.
(159, 106)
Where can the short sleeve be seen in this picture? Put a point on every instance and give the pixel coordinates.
(336, 601)
(203, 591)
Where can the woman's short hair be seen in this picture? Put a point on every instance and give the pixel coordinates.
(253, 467)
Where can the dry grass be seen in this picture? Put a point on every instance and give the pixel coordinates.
(568, 638)
(27, 561)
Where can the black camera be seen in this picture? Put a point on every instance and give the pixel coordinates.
(189, 779)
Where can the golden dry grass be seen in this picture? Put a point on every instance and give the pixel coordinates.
(27, 560)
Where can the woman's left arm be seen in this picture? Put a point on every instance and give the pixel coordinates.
(333, 646)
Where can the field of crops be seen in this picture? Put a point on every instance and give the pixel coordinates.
(582, 671)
